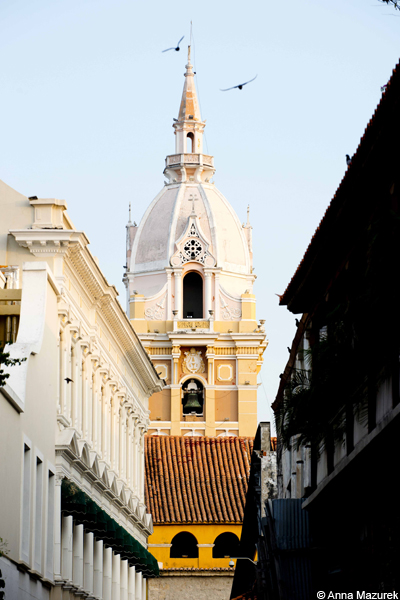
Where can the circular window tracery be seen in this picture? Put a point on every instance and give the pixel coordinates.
(192, 249)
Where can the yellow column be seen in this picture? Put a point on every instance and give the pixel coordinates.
(210, 394)
(176, 408)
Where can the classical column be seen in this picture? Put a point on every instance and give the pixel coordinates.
(168, 312)
(210, 394)
(124, 580)
(135, 456)
(138, 587)
(66, 548)
(107, 573)
(216, 296)
(57, 527)
(88, 562)
(98, 569)
(131, 583)
(77, 569)
(144, 586)
(208, 295)
(178, 291)
(116, 577)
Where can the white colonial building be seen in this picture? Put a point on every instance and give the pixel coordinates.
(72, 416)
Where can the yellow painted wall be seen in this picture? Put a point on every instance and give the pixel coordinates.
(204, 533)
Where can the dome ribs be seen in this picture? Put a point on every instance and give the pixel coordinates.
(197, 479)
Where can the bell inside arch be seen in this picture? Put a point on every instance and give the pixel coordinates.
(193, 398)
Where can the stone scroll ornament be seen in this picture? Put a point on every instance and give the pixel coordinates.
(228, 313)
(193, 362)
(156, 313)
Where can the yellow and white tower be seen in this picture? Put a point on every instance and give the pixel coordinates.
(190, 294)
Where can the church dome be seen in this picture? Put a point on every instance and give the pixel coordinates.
(166, 219)
(189, 222)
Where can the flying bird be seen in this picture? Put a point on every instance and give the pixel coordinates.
(240, 86)
(68, 380)
(177, 46)
(348, 160)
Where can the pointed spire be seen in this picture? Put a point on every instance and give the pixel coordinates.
(129, 221)
(248, 216)
(189, 108)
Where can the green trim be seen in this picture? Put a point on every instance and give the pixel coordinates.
(85, 511)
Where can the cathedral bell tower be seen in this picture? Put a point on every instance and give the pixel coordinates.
(190, 293)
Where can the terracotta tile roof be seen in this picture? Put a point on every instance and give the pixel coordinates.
(199, 569)
(197, 479)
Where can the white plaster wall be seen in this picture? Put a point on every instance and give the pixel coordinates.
(19, 586)
(37, 423)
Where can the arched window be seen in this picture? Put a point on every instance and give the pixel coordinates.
(226, 545)
(193, 296)
(190, 143)
(184, 545)
(192, 397)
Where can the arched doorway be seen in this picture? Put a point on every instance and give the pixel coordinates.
(193, 296)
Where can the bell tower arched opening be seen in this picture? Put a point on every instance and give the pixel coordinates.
(190, 143)
(193, 296)
(192, 397)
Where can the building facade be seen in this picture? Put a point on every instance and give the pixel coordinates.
(190, 297)
(337, 407)
(73, 416)
(190, 294)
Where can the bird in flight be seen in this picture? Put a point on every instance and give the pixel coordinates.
(240, 86)
(68, 380)
(177, 46)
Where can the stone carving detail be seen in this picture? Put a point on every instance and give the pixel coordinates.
(228, 313)
(193, 362)
(192, 247)
(193, 231)
(156, 313)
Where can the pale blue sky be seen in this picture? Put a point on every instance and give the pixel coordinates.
(87, 101)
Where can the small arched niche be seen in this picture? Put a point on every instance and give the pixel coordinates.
(193, 296)
(193, 397)
(184, 545)
(226, 545)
